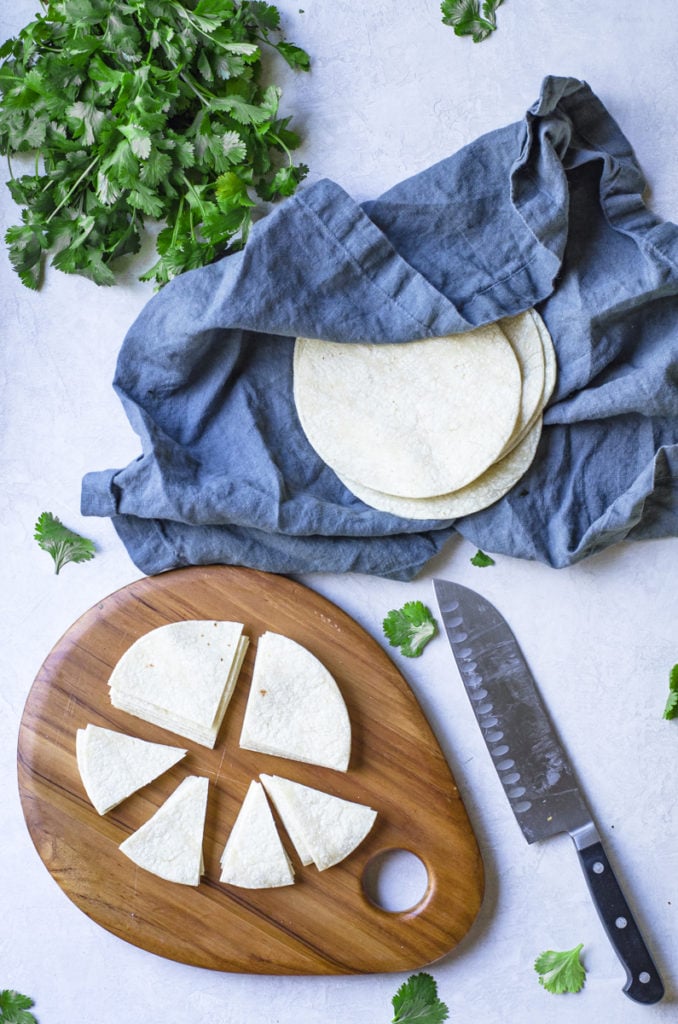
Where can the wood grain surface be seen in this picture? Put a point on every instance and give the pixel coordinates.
(324, 923)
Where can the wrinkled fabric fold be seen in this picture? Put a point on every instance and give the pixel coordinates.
(546, 213)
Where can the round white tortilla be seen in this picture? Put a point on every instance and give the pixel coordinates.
(488, 488)
(504, 474)
(415, 419)
(524, 336)
(550, 360)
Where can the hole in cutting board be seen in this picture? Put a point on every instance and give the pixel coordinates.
(395, 880)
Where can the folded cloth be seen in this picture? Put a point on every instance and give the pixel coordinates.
(545, 213)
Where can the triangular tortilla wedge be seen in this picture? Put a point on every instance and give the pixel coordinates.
(254, 857)
(331, 827)
(181, 676)
(113, 765)
(295, 708)
(169, 844)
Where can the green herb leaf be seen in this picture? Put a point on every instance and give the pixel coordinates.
(417, 1001)
(671, 709)
(410, 628)
(481, 559)
(467, 18)
(14, 1008)
(61, 543)
(134, 110)
(561, 972)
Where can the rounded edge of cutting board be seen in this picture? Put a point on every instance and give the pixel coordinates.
(324, 923)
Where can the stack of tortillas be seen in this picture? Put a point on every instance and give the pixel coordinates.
(181, 676)
(434, 428)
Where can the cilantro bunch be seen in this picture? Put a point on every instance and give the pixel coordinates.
(142, 109)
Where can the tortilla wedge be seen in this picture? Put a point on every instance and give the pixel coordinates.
(113, 765)
(181, 676)
(295, 708)
(330, 827)
(169, 844)
(254, 856)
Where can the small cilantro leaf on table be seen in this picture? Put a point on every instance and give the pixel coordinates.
(142, 111)
(410, 628)
(417, 1001)
(14, 1008)
(468, 18)
(671, 709)
(482, 560)
(61, 543)
(561, 971)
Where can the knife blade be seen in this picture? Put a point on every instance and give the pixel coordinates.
(533, 767)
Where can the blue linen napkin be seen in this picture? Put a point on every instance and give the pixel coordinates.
(547, 213)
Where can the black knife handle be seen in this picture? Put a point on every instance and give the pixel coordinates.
(643, 982)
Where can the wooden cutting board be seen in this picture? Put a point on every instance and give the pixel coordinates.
(324, 923)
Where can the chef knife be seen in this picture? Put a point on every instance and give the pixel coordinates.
(533, 766)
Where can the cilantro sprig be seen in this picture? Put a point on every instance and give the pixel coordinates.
(561, 971)
(147, 110)
(469, 18)
(417, 1001)
(671, 709)
(61, 543)
(481, 560)
(14, 1008)
(410, 628)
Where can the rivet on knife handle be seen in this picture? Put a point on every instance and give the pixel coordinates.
(532, 765)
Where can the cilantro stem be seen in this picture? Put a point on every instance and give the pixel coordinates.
(194, 87)
(72, 189)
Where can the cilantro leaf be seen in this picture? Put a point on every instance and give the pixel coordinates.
(410, 628)
(61, 543)
(467, 18)
(481, 559)
(132, 111)
(14, 1008)
(417, 1001)
(671, 709)
(561, 972)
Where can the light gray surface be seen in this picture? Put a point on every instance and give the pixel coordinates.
(391, 91)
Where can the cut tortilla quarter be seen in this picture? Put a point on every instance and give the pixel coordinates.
(113, 765)
(329, 826)
(295, 708)
(254, 856)
(181, 676)
(169, 844)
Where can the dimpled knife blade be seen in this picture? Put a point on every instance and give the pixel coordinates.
(533, 767)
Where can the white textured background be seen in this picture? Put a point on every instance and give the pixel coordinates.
(391, 91)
